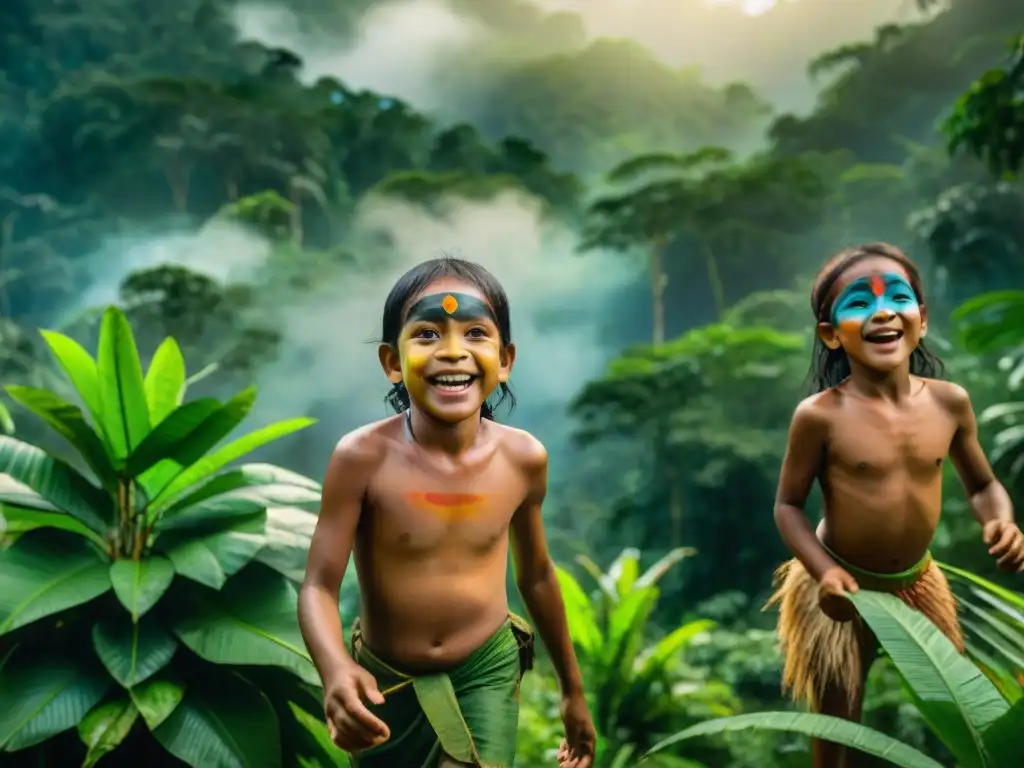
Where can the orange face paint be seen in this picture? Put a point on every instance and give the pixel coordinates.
(877, 285)
(447, 506)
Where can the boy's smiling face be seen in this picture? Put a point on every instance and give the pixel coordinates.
(449, 356)
(876, 316)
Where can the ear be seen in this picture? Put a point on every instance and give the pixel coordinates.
(827, 334)
(390, 362)
(506, 361)
(924, 321)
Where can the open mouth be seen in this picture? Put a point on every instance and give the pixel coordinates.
(458, 382)
(884, 337)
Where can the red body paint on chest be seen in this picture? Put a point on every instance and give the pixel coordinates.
(445, 504)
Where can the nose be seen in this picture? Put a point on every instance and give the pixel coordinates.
(883, 314)
(452, 350)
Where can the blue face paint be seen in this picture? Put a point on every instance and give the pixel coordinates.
(864, 298)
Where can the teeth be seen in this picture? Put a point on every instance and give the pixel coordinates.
(890, 336)
(461, 378)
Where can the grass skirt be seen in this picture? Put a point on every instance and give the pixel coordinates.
(822, 654)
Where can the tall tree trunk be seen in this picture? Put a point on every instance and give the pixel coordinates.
(231, 189)
(658, 283)
(714, 280)
(295, 219)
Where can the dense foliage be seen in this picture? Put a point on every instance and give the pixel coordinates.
(221, 191)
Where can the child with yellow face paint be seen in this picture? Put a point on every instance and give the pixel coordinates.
(875, 436)
(427, 500)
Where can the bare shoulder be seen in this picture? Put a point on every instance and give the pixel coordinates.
(364, 448)
(951, 397)
(526, 451)
(816, 412)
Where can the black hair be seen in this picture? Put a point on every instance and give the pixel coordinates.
(411, 284)
(829, 367)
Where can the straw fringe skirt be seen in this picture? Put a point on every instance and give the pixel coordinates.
(821, 654)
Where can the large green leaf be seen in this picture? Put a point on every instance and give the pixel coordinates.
(952, 694)
(287, 534)
(56, 482)
(218, 511)
(69, 421)
(133, 652)
(832, 729)
(226, 723)
(139, 584)
(157, 698)
(166, 438)
(191, 431)
(121, 387)
(46, 572)
(165, 381)
(580, 614)
(42, 696)
(21, 520)
(251, 622)
(211, 559)
(224, 455)
(105, 727)
(81, 371)
(246, 476)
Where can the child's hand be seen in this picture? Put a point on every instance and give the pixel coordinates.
(577, 749)
(352, 726)
(833, 588)
(1005, 543)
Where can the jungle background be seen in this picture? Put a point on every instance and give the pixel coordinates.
(655, 183)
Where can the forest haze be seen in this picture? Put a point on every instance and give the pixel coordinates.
(655, 183)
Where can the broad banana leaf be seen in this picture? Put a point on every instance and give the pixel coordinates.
(251, 622)
(832, 729)
(46, 572)
(952, 694)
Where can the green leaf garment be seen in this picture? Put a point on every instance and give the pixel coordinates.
(470, 713)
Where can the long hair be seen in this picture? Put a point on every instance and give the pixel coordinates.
(829, 367)
(409, 285)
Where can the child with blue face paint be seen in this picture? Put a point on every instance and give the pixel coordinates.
(875, 435)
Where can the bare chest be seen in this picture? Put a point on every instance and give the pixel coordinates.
(415, 510)
(879, 442)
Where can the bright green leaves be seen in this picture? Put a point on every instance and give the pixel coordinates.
(69, 421)
(122, 392)
(55, 482)
(162, 481)
(45, 573)
(833, 729)
(81, 371)
(954, 697)
(139, 584)
(165, 381)
(105, 727)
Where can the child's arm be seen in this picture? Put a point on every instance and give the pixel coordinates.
(808, 436)
(989, 501)
(536, 579)
(345, 683)
(538, 584)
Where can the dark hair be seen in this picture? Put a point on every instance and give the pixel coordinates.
(831, 366)
(411, 284)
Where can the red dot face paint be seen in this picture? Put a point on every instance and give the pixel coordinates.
(877, 285)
